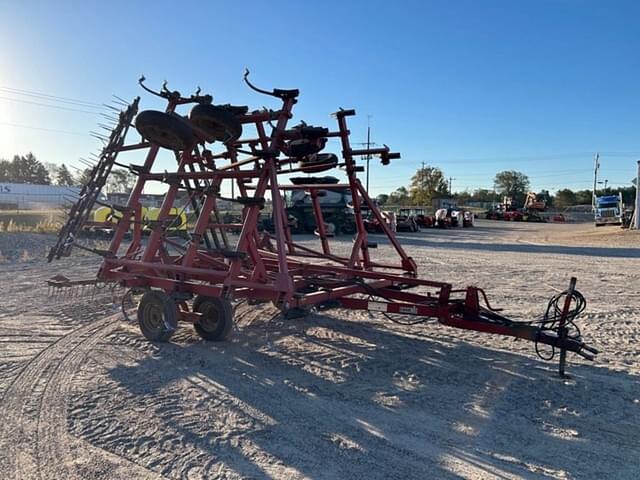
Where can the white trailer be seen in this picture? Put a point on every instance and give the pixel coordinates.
(26, 196)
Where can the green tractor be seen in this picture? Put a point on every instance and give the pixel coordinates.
(335, 205)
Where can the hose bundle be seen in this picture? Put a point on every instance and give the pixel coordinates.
(553, 314)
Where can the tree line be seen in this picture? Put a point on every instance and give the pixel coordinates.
(28, 169)
(429, 182)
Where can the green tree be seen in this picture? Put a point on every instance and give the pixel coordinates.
(484, 195)
(399, 197)
(63, 176)
(462, 198)
(83, 177)
(120, 180)
(382, 199)
(5, 171)
(428, 182)
(584, 197)
(565, 198)
(545, 196)
(27, 169)
(512, 184)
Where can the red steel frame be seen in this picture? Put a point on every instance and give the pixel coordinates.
(273, 267)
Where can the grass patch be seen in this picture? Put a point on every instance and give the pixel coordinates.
(34, 221)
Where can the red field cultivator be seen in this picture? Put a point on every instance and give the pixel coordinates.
(197, 280)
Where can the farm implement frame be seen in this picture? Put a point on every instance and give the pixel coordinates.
(196, 280)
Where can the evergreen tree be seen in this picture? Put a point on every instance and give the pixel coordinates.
(27, 169)
(63, 176)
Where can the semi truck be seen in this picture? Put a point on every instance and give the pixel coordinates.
(608, 210)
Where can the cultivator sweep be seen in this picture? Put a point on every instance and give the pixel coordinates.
(197, 280)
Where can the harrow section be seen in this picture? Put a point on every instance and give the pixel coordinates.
(214, 268)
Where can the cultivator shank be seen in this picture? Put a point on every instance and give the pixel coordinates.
(254, 152)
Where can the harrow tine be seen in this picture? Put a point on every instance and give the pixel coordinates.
(121, 100)
(102, 138)
(113, 118)
(111, 107)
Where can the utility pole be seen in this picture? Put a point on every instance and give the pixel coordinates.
(450, 188)
(596, 166)
(636, 212)
(368, 146)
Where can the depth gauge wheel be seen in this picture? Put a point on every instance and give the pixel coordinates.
(167, 130)
(157, 316)
(216, 317)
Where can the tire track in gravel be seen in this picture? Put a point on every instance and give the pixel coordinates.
(34, 433)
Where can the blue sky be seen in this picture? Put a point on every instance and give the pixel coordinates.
(473, 87)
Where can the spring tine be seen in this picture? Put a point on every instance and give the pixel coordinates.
(122, 100)
(97, 135)
(111, 107)
(87, 162)
(110, 117)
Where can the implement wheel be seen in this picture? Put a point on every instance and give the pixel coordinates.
(157, 316)
(216, 317)
(217, 122)
(167, 130)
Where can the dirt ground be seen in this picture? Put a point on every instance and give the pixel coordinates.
(335, 395)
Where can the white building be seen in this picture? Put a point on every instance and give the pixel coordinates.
(25, 196)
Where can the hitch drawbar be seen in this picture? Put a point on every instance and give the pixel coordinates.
(556, 328)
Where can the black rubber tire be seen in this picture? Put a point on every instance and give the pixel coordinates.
(318, 163)
(157, 316)
(303, 147)
(218, 123)
(348, 228)
(217, 317)
(167, 130)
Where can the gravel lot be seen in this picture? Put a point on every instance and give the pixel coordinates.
(338, 395)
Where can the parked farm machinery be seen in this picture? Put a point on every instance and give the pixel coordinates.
(197, 280)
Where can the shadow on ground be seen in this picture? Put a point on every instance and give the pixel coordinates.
(329, 398)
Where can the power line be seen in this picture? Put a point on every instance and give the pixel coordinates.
(527, 158)
(30, 127)
(50, 106)
(46, 96)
